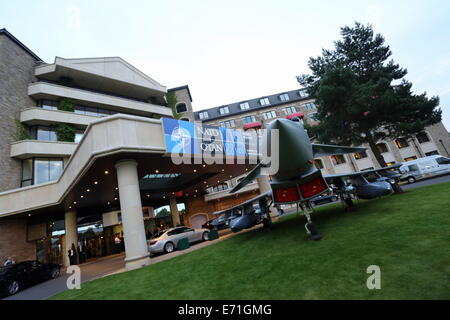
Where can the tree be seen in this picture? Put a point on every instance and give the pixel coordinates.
(362, 97)
(163, 213)
(171, 103)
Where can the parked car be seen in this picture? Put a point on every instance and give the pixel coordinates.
(424, 168)
(167, 240)
(323, 199)
(217, 223)
(16, 277)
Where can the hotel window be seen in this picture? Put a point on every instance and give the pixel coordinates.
(303, 93)
(309, 106)
(338, 159)
(360, 155)
(181, 107)
(269, 115)
(318, 163)
(289, 110)
(248, 119)
(244, 106)
(48, 104)
(227, 124)
(401, 143)
(284, 97)
(432, 153)
(264, 101)
(224, 110)
(382, 147)
(422, 137)
(78, 136)
(44, 133)
(203, 115)
(40, 170)
(313, 116)
(410, 158)
(27, 173)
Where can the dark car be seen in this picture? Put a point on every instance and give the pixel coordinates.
(16, 277)
(217, 223)
(323, 199)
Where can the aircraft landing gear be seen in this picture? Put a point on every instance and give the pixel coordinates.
(311, 229)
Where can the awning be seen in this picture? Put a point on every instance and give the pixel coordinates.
(252, 125)
(296, 114)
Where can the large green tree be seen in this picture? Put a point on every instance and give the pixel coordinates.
(361, 96)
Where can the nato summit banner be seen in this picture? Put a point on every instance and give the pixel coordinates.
(196, 139)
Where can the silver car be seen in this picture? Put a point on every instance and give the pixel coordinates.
(167, 240)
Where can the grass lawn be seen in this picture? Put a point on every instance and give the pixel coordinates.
(406, 235)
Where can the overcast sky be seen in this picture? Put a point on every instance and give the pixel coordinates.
(228, 51)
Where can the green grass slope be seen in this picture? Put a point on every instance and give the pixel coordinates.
(406, 235)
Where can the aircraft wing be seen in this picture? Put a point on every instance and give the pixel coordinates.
(252, 175)
(321, 150)
(230, 210)
(359, 173)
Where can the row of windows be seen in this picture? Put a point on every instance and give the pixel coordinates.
(263, 102)
(79, 109)
(401, 143)
(267, 115)
(45, 133)
(40, 170)
(340, 159)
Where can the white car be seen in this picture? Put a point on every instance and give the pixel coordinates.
(167, 240)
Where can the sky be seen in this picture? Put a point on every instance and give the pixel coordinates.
(229, 51)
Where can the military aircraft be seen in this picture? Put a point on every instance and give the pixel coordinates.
(298, 180)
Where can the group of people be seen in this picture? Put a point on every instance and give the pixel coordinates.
(9, 261)
(77, 254)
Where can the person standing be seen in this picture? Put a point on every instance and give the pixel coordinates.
(71, 253)
(117, 243)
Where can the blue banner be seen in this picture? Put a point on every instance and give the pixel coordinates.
(190, 138)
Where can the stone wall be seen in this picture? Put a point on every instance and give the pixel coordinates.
(13, 240)
(16, 73)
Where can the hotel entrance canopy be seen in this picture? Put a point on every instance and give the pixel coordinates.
(89, 180)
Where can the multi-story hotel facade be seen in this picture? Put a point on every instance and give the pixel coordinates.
(84, 155)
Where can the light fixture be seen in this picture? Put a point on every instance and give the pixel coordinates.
(74, 202)
(70, 207)
(204, 166)
(82, 197)
(29, 214)
(148, 195)
(156, 171)
(115, 198)
(95, 182)
(109, 202)
(88, 190)
(106, 171)
(204, 182)
(223, 170)
(117, 188)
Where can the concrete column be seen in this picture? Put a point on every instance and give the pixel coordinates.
(174, 212)
(136, 251)
(71, 236)
(264, 185)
